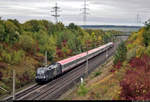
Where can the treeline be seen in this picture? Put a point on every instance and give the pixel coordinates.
(23, 46)
(134, 56)
(34, 37)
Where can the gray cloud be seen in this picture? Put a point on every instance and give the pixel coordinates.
(101, 11)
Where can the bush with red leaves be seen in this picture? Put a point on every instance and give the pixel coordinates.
(59, 53)
(24, 78)
(1, 76)
(3, 65)
(136, 83)
(112, 70)
(118, 65)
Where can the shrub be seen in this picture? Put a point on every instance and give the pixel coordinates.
(130, 46)
(3, 65)
(2, 32)
(14, 57)
(148, 50)
(121, 53)
(82, 91)
(136, 63)
(97, 73)
(27, 43)
(1, 76)
(6, 57)
(17, 56)
(136, 83)
(11, 33)
(2, 92)
(25, 78)
(7, 81)
(146, 37)
(133, 37)
(18, 83)
(131, 54)
(118, 65)
(140, 51)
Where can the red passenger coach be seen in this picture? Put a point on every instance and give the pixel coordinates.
(71, 62)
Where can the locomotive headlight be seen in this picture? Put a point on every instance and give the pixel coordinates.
(44, 77)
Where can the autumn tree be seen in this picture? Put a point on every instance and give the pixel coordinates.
(120, 55)
(11, 32)
(146, 34)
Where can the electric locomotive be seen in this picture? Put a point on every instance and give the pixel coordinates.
(44, 74)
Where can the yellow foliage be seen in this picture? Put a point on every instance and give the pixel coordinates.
(140, 51)
(131, 46)
(139, 39)
(148, 50)
(99, 38)
(133, 37)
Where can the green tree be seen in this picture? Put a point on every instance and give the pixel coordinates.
(146, 37)
(94, 39)
(2, 33)
(32, 26)
(17, 24)
(121, 53)
(11, 32)
(27, 42)
(72, 26)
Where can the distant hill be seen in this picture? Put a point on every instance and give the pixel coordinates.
(123, 28)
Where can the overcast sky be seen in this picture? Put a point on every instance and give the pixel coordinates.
(117, 12)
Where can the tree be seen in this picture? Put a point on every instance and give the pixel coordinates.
(32, 26)
(11, 32)
(146, 36)
(94, 38)
(59, 27)
(72, 26)
(2, 33)
(27, 42)
(48, 26)
(17, 24)
(121, 53)
(147, 24)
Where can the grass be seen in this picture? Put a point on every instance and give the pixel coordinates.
(97, 73)
(100, 85)
(82, 91)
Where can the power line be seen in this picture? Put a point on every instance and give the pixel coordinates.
(56, 9)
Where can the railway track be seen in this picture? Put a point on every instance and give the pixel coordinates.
(23, 92)
(59, 85)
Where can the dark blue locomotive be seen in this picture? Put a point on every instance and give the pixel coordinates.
(44, 74)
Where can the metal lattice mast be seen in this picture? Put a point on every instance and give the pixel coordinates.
(85, 13)
(56, 10)
(14, 84)
(138, 18)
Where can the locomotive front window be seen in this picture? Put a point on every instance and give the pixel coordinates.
(40, 71)
(54, 66)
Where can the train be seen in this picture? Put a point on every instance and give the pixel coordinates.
(45, 74)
